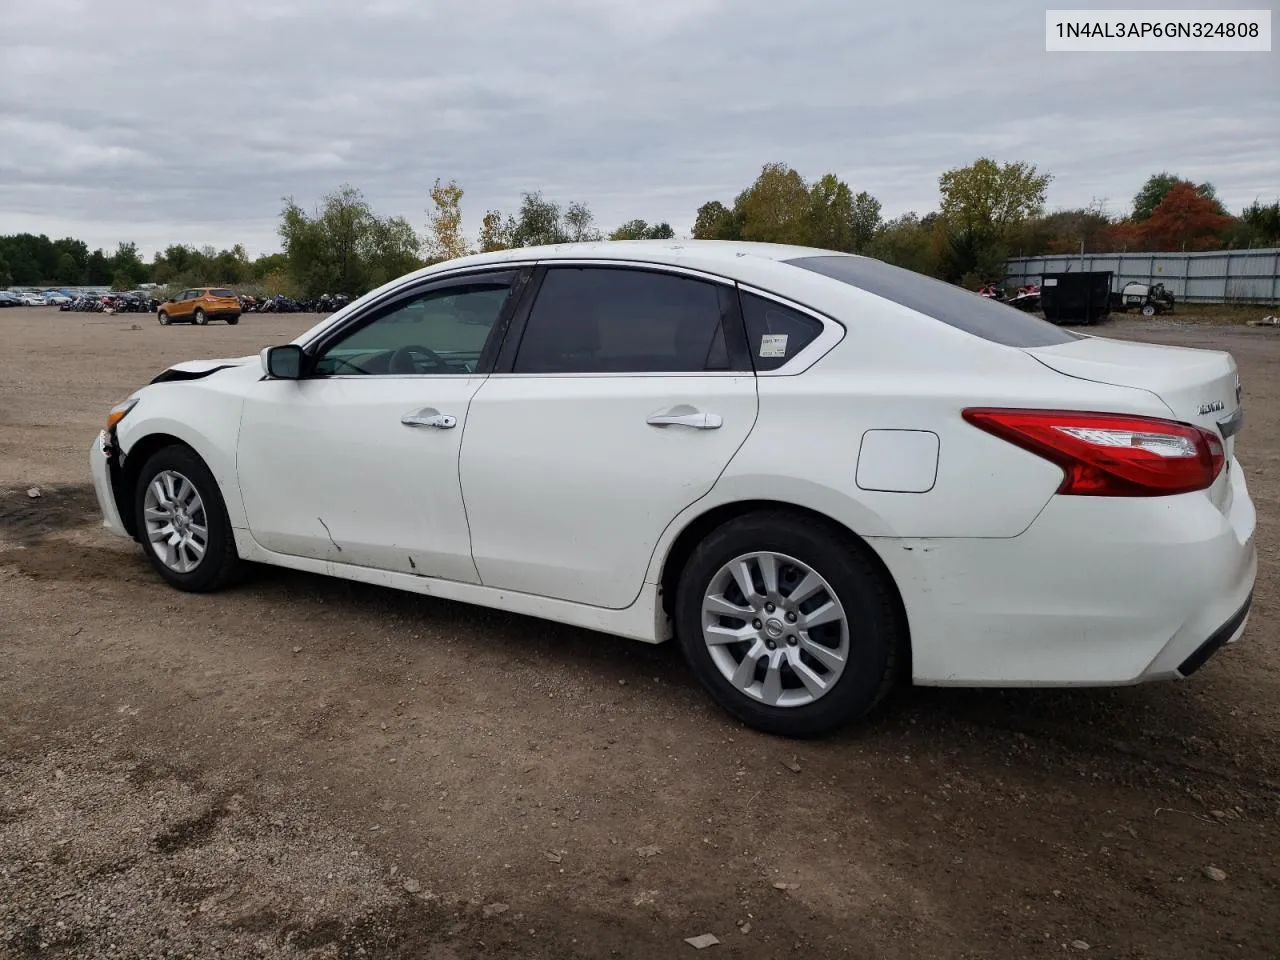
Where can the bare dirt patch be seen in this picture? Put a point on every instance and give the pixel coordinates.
(303, 767)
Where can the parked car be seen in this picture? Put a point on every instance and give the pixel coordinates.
(32, 299)
(10, 299)
(200, 305)
(55, 299)
(819, 472)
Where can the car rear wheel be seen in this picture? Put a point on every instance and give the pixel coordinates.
(182, 522)
(232, 321)
(788, 624)
(199, 317)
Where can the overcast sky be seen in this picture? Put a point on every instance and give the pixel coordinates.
(180, 121)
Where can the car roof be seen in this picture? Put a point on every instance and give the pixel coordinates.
(670, 252)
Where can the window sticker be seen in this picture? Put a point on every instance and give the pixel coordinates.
(773, 345)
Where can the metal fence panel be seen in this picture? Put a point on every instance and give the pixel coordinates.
(1215, 276)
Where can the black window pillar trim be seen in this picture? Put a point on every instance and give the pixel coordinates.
(519, 319)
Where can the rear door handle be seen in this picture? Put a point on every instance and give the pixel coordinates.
(427, 417)
(699, 421)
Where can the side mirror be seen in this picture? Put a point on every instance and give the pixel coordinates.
(283, 362)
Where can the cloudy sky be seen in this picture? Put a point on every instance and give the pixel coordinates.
(180, 121)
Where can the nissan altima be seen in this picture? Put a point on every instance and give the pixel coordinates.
(818, 473)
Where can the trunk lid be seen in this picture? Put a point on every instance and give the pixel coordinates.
(1199, 386)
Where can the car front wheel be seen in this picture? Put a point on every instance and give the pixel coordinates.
(788, 624)
(163, 318)
(182, 522)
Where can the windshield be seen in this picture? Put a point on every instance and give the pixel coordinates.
(944, 302)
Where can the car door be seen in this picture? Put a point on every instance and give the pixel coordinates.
(180, 309)
(620, 397)
(358, 461)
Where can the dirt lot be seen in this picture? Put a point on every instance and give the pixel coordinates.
(305, 767)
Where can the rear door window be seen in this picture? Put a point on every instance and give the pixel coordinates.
(617, 320)
(944, 302)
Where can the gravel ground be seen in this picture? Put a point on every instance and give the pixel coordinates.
(302, 767)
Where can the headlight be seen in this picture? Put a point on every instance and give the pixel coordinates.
(120, 411)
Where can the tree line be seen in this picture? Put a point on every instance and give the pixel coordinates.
(986, 212)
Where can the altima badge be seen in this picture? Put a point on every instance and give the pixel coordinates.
(1213, 407)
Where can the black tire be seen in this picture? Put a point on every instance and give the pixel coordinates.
(232, 321)
(220, 565)
(877, 637)
(199, 317)
(163, 318)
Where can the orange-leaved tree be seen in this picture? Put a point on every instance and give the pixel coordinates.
(1184, 220)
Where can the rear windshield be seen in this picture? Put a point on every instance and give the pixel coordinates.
(949, 304)
(221, 292)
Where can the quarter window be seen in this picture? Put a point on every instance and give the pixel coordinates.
(440, 331)
(612, 320)
(776, 333)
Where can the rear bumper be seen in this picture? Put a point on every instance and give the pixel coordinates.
(1229, 632)
(101, 459)
(1096, 592)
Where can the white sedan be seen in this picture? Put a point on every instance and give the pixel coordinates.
(820, 473)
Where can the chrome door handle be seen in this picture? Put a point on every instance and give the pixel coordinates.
(429, 418)
(699, 421)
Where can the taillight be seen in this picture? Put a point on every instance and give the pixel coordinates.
(1111, 454)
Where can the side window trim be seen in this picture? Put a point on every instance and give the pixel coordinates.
(833, 331)
(383, 306)
(733, 326)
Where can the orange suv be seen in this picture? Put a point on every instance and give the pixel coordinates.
(200, 306)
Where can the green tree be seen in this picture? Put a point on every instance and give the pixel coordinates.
(69, 272)
(495, 232)
(775, 208)
(98, 269)
(641, 230)
(538, 222)
(831, 215)
(580, 223)
(990, 197)
(127, 268)
(324, 250)
(715, 221)
(6, 278)
(866, 221)
(1257, 226)
(907, 242)
(269, 263)
(981, 206)
(444, 223)
(344, 247)
(78, 251)
(390, 249)
(838, 220)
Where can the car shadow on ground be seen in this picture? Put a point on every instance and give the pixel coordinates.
(1160, 725)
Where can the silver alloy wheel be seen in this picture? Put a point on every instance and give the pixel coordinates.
(775, 629)
(176, 522)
